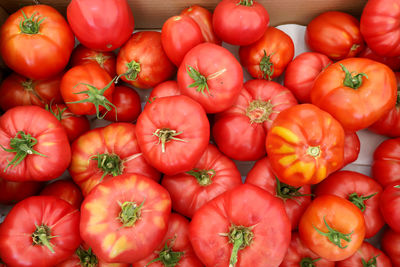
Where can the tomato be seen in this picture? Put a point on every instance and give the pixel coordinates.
(389, 123)
(36, 42)
(236, 229)
(175, 249)
(87, 89)
(66, 190)
(124, 219)
(34, 145)
(391, 245)
(268, 57)
(359, 189)
(240, 22)
(378, 29)
(356, 91)
(300, 255)
(13, 192)
(335, 34)
(179, 34)
(366, 255)
(17, 90)
(203, 18)
(240, 131)
(168, 88)
(212, 76)
(142, 61)
(82, 55)
(172, 133)
(386, 162)
(212, 175)
(305, 145)
(39, 231)
(389, 205)
(127, 105)
(391, 62)
(301, 73)
(101, 25)
(351, 147)
(106, 152)
(332, 227)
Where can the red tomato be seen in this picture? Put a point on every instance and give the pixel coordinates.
(168, 88)
(173, 132)
(268, 57)
(39, 231)
(366, 255)
(300, 255)
(250, 118)
(351, 147)
(125, 219)
(17, 90)
(175, 249)
(203, 18)
(106, 152)
(212, 175)
(82, 55)
(127, 105)
(142, 61)
(212, 76)
(237, 229)
(36, 42)
(65, 190)
(240, 22)
(101, 25)
(378, 29)
(305, 145)
(34, 145)
(389, 205)
(335, 34)
(301, 73)
(179, 34)
(361, 190)
(391, 62)
(13, 192)
(356, 91)
(389, 123)
(87, 89)
(332, 227)
(386, 162)
(391, 246)
(295, 199)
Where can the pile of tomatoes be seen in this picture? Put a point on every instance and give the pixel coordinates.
(158, 185)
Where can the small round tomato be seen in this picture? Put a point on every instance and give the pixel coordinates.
(332, 227)
(335, 34)
(13, 192)
(367, 255)
(386, 162)
(168, 88)
(127, 105)
(391, 245)
(66, 190)
(351, 147)
(389, 205)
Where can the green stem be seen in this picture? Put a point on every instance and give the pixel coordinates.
(245, 2)
(203, 177)
(130, 213)
(285, 191)
(165, 135)
(334, 236)
(308, 262)
(266, 66)
(359, 200)
(167, 256)
(30, 25)
(42, 236)
(87, 258)
(109, 164)
(200, 81)
(352, 81)
(371, 263)
(241, 237)
(58, 114)
(133, 70)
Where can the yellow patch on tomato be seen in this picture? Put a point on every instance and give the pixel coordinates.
(159, 222)
(97, 228)
(98, 211)
(142, 186)
(286, 134)
(161, 205)
(103, 189)
(108, 241)
(120, 246)
(287, 160)
(284, 149)
(47, 144)
(51, 126)
(307, 169)
(321, 173)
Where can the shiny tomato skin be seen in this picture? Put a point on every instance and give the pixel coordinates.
(391, 245)
(101, 25)
(240, 24)
(335, 34)
(17, 90)
(65, 190)
(240, 131)
(115, 239)
(391, 62)
(41, 55)
(341, 215)
(212, 175)
(301, 73)
(275, 47)
(179, 34)
(13, 192)
(389, 205)
(351, 147)
(375, 93)
(366, 253)
(305, 145)
(128, 105)
(144, 49)
(386, 162)
(295, 203)
(167, 88)
(345, 183)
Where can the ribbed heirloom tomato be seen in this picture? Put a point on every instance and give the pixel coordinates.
(367, 255)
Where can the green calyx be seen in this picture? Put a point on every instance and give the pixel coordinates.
(42, 236)
(308, 262)
(133, 70)
(58, 114)
(245, 2)
(335, 237)
(267, 67)
(30, 25)
(22, 144)
(87, 257)
(167, 256)
(203, 177)
(285, 191)
(371, 263)
(259, 111)
(130, 213)
(359, 200)
(166, 135)
(100, 58)
(109, 164)
(200, 81)
(241, 237)
(352, 81)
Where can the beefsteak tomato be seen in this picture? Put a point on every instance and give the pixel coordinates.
(366, 256)
(389, 205)
(386, 162)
